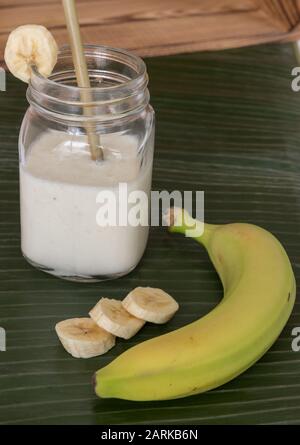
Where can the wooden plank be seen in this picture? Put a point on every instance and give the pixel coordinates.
(162, 26)
(115, 12)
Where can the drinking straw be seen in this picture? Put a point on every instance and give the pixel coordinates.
(82, 75)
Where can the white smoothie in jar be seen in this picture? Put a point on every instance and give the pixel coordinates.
(59, 184)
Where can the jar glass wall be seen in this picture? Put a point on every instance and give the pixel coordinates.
(62, 189)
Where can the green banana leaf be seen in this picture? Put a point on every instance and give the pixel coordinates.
(228, 123)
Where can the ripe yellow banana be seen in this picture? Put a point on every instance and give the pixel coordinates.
(259, 294)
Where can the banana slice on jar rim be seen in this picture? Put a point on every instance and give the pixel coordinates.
(30, 45)
(150, 304)
(83, 338)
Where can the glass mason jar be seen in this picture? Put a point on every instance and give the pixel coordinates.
(63, 192)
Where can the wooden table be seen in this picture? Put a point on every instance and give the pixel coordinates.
(228, 124)
(160, 27)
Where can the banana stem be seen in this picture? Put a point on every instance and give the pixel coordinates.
(180, 221)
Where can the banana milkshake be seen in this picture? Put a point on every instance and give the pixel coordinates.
(85, 148)
(59, 185)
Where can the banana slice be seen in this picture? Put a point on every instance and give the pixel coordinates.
(30, 45)
(110, 315)
(83, 338)
(150, 304)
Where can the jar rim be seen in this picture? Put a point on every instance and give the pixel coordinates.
(90, 49)
(122, 89)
